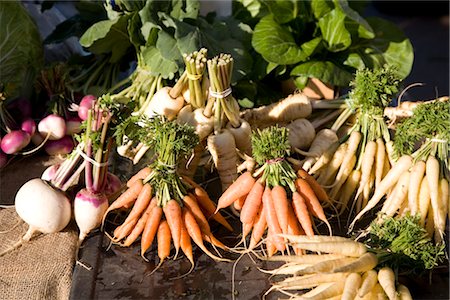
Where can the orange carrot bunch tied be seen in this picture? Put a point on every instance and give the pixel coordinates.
(275, 200)
(162, 203)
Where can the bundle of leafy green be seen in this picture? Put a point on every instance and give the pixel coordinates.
(21, 51)
(402, 244)
(328, 40)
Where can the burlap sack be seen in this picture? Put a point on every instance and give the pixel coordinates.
(39, 269)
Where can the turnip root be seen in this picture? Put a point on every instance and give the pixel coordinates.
(203, 125)
(14, 141)
(223, 151)
(89, 209)
(29, 126)
(73, 126)
(50, 173)
(62, 146)
(301, 133)
(86, 103)
(293, 107)
(163, 104)
(53, 125)
(43, 208)
(242, 136)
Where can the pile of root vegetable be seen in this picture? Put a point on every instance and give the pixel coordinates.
(288, 171)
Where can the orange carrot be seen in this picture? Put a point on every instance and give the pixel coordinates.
(141, 203)
(301, 211)
(237, 189)
(214, 241)
(252, 203)
(281, 204)
(311, 200)
(163, 236)
(186, 245)
(271, 244)
(126, 198)
(172, 211)
(239, 203)
(191, 203)
(272, 220)
(124, 230)
(142, 174)
(150, 229)
(246, 229)
(209, 208)
(294, 227)
(140, 225)
(259, 227)
(195, 233)
(317, 188)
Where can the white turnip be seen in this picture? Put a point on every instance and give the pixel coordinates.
(43, 208)
(53, 125)
(62, 146)
(14, 141)
(28, 126)
(86, 103)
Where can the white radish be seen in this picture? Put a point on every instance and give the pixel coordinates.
(89, 209)
(43, 208)
(301, 134)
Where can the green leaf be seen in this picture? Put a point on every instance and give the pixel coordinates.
(333, 30)
(97, 32)
(283, 11)
(167, 46)
(354, 60)
(390, 46)
(275, 42)
(271, 67)
(153, 58)
(134, 31)
(355, 20)
(326, 71)
(185, 9)
(301, 82)
(321, 7)
(254, 7)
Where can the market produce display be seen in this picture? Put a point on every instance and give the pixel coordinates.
(187, 100)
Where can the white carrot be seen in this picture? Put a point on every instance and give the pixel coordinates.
(327, 266)
(367, 164)
(424, 200)
(353, 143)
(430, 226)
(386, 278)
(364, 263)
(379, 162)
(352, 284)
(310, 280)
(338, 183)
(242, 136)
(432, 170)
(391, 178)
(369, 280)
(350, 248)
(348, 189)
(417, 173)
(333, 165)
(333, 289)
(400, 194)
(304, 259)
(443, 203)
(404, 292)
(322, 161)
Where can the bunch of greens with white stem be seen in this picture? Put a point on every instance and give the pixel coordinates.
(170, 142)
(270, 149)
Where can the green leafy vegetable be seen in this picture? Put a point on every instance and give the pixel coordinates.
(403, 243)
(21, 51)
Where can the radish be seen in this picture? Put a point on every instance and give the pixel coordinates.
(86, 103)
(53, 125)
(89, 208)
(43, 208)
(15, 141)
(59, 147)
(29, 126)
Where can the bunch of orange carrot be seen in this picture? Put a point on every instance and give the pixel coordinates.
(163, 204)
(274, 199)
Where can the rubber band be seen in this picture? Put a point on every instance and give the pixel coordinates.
(275, 160)
(87, 158)
(194, 76)
(436, 140)
(220, 95)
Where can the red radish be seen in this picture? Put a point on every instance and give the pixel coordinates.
(89, 209)
(53, 124)
(73, 125)
(50, 172)
(86, 103)
(62, 146)
(15, 141)
(43, 208)
(29, 126)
